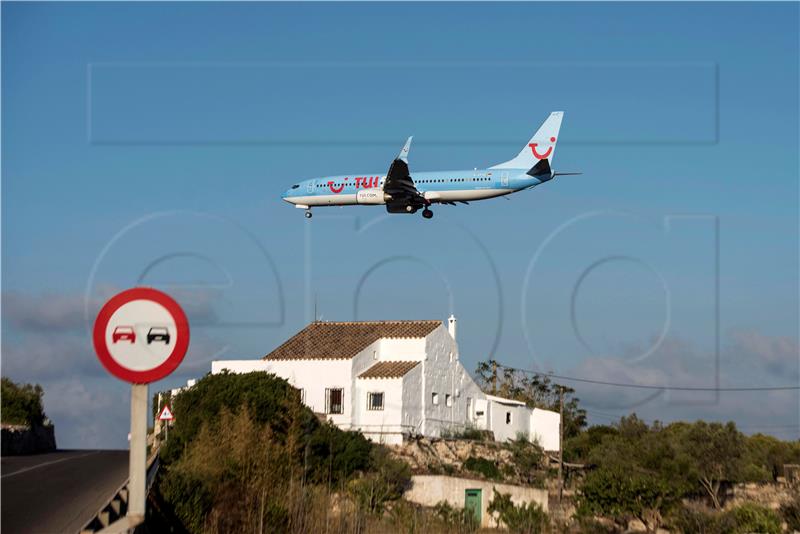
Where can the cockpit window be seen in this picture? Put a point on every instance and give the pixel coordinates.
(295, 186)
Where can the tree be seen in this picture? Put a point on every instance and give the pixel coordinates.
(22, 403)
(713, 453)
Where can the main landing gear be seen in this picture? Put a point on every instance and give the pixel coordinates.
(308, 214)
(428, 214)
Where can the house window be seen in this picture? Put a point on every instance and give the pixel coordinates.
(469, 408)
(374, 354)
(334, 400)
(302, 395)
(375, 401)
(508, 418)
(435, 398)
(448, 399)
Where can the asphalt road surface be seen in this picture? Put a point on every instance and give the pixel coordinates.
(58, 491)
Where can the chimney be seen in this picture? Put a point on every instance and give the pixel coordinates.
(451, 326)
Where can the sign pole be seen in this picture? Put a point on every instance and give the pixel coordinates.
(138, 453)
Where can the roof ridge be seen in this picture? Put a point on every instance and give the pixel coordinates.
(344, 339)
(387, 321)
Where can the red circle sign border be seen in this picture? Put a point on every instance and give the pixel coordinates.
(173, 360)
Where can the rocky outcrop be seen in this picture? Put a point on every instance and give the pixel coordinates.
(18, 439)
(434, 454)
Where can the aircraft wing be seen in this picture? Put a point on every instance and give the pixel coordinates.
(400, 187)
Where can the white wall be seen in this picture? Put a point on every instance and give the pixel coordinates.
(443, 374)
(544, 429)
(408, 349)
(412, 394)
(520, 420)
(383, 426)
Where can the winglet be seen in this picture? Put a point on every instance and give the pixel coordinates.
(403, 155)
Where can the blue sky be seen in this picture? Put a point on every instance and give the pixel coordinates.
(149, 143)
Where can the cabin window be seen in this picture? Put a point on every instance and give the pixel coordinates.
(334, 400)
(375, 401)
(448, 399)
(295, 186)
(435, 398)
(508, 418)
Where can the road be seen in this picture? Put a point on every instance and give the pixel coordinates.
(58, 491)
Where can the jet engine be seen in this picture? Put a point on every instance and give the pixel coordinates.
(374, 195)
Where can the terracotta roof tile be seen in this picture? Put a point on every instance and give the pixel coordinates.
(388, 370)
(343, 340)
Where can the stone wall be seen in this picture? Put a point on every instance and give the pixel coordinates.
(18, 440)
(770, 495)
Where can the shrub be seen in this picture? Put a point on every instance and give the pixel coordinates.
(618, 494)
(387, 480)
(791, 513)
(744, 519)
(527, 458)
(269, 400)
(690, 520)
(22, 403)
(751, 517)
(456, 519)
(527, 518)
(485, 467)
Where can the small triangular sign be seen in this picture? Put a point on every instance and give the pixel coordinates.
(166, 414)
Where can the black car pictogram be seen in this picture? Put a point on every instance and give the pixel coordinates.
(158, 333)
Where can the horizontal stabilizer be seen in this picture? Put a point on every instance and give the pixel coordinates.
(541, 170)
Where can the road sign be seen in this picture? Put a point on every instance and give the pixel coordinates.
(141, 335)
(166, 414)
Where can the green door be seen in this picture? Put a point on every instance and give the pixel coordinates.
(472, 502)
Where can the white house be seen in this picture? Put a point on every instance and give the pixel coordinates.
(392, 379)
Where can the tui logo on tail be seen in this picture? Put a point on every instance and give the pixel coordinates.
(547, 152)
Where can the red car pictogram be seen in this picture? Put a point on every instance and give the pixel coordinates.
(123, 333)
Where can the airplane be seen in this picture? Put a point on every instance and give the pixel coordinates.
(401, 193)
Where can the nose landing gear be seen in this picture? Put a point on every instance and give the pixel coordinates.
(308, 214)
(428, 214)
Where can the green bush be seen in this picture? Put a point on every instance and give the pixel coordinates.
(485, 467)
(386, 481)
(744, 519)
(791, 513)
(689, 520)
(466, 433)
(527, 518)
(22, 403)
(751, 518)
(269, 400)
(527, 459)
(459, 520)
(619, 494)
